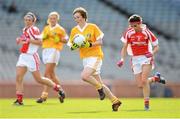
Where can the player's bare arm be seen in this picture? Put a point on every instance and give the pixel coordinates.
(36, 42)
(156, 49)
(123, 51)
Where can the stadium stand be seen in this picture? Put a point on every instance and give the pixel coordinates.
(158, 14)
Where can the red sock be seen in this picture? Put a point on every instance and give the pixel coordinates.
(155, 79)
(146, 101)
(19, 97)
(56, 87)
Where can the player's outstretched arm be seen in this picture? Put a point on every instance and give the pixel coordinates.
(123, 55)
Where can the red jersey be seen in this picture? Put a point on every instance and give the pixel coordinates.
(139, 43)
(30, 33)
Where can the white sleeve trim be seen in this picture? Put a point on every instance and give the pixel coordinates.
(100, 37)
(69, 44)
(155, 42)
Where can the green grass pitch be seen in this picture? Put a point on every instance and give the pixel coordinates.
(91, 108)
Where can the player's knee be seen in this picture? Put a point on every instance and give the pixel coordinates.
(140, 86)
(144, 81)
(84, 77)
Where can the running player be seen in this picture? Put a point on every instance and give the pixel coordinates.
(138, 41)
(54, 36)
(91, 54)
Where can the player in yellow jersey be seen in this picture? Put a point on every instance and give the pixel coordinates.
(54, 36)
(91, 54)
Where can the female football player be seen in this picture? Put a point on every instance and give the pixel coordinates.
(54, 36)
(91, 54)
(29, 58)
(138, 41)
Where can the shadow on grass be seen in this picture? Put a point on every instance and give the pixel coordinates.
(83, 112)
(47, 104)
(135, 110)
(23, 105)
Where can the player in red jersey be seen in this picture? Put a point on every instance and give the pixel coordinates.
(138, 41)
(29, 58)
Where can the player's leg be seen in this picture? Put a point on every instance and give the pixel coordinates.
(141, 68)
(49, 73)
(115, 101)
(91, 65)
(20, 72)
(42, 80)
(107, 91)
(137, 78)
(44, 94)
(146, 69)
(46, 81)
(50, 59)
(57, 81)
(86, 76)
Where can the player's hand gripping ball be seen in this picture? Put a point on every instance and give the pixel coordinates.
(79, 39)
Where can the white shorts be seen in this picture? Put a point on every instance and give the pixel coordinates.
(32, 62)
(50, 55)
(94, 63)
(138, 61)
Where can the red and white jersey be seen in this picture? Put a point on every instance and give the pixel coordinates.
(30, 33)
(139, 43)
